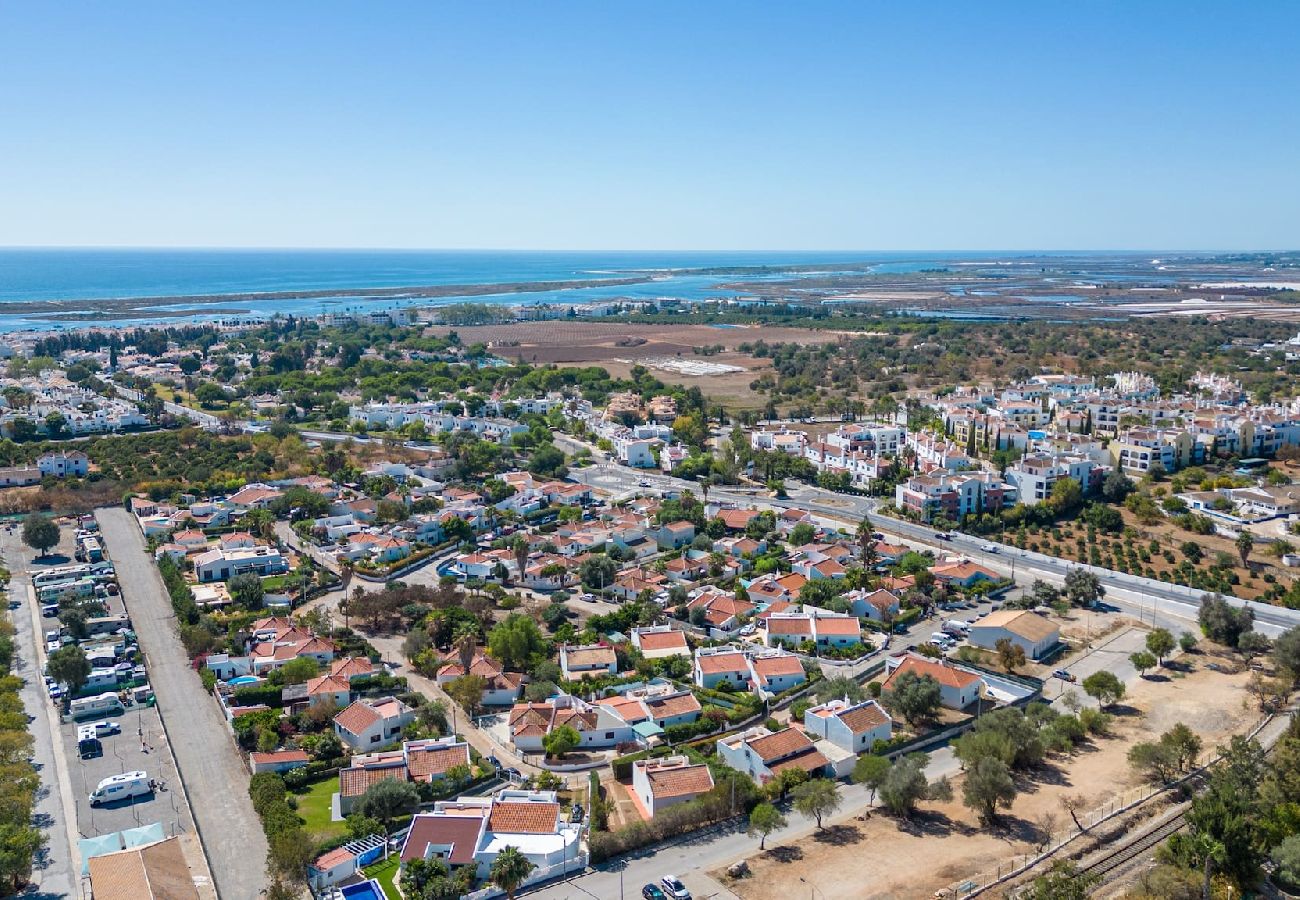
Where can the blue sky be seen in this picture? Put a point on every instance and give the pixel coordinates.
(610, 125)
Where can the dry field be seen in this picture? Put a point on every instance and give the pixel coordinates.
(883, 858)
(618, 346)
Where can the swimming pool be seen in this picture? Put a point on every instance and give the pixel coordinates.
(244, 679)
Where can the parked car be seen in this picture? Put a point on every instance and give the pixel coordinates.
(51, 646)
(99, 729)
(1063, 675)
(943, 536)
(990, 548)
(576, 814)
(653, 892)
(674, 888)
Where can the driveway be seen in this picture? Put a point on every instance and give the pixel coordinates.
(210, 767)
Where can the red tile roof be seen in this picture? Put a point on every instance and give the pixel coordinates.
(458, 832)
(424, 763)
(524, 818)
(785, 742)
(864, 718)
(680, 781)
(722, 662)
(353, 782)
(945, 675)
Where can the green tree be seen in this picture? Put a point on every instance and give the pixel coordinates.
(561, 741)
(763, 820)
(870, 771)
(247, 590)
(1082, 586)
(1161, 643)
(1142, 661)
(1245, 543)
(597, 572)
(467, 690)
(509, 870)
(1010, 654)
(989, 785)
(69, 665)
(1063, 881)
(40, 533)
(817, 799)
(388, 799)
(19, 844)
(1251, 644)
(916, 698)
(1286, 652)
(1222, 622)
(905, 785)
(1105, 687)
(299, 670)
(515, 640)
(838, 687)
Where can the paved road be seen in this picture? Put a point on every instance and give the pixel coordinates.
(214, 776)
(711, 849)
(54, 874)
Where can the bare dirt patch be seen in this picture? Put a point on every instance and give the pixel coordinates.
(946, 844)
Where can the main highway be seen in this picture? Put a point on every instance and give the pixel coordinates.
(1168, 605)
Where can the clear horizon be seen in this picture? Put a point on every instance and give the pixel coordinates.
(591, 127)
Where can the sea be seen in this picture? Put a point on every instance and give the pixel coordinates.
(64, 276)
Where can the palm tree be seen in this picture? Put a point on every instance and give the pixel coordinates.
(520, 548)
(509, 870)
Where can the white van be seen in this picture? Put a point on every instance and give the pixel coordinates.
(106, 704)
(940, 639)
(121, 787)
(957, 628)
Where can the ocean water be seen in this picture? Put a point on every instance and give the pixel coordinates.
(69, 275)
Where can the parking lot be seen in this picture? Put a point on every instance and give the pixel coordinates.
(141, 746)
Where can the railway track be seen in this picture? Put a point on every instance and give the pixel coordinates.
(1133, 849)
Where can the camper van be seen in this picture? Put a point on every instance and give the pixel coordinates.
(121, 787)
(105, 704)
(98, 625)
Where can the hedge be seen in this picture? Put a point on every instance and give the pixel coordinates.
(258, 694)
(709, 809)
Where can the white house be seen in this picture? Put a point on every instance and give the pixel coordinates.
(958, 688)
(716, 665)
(1033, 633)
(661, 783)
(763, 754)
(472, 831)
(222, 565)
(590, 661)
(373, 723)
(64, 463)
(851, 726)
(660, 641)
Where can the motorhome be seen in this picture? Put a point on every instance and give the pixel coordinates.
(121, 787)
(101, 679)
(105, 704)
(107, 624)
(89, 550)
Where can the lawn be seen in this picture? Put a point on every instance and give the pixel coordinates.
(385, 873)
(314, 808)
